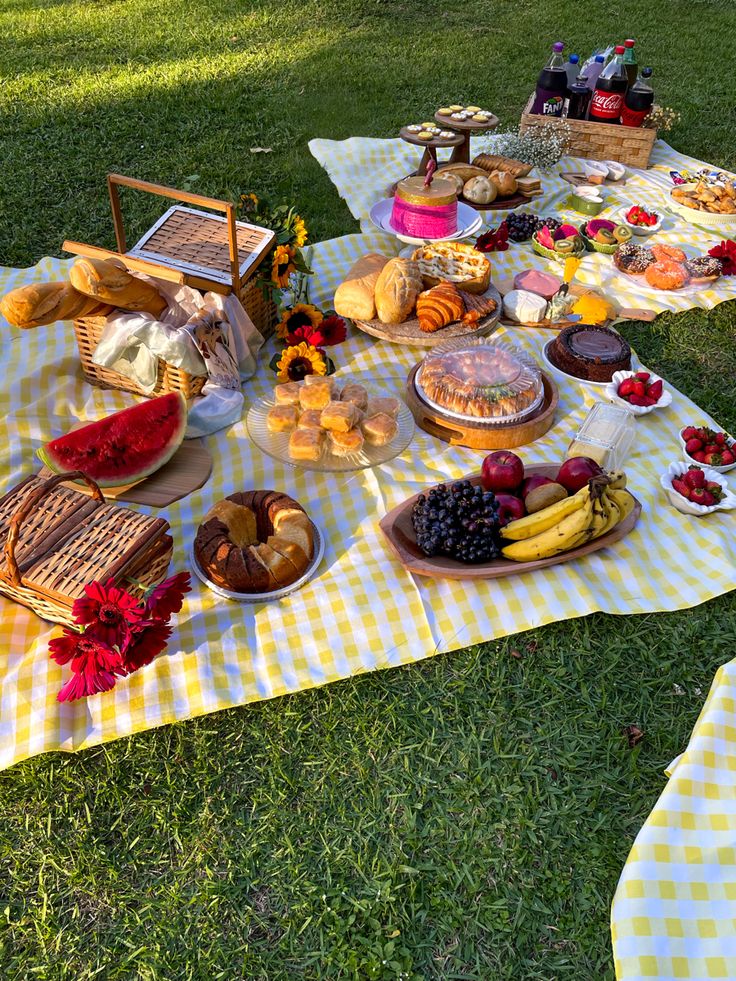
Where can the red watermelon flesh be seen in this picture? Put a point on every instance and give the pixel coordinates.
(124, 447)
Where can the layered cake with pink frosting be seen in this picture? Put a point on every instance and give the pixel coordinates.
(425, 210)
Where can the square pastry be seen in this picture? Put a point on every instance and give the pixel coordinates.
(281, 418)
(287, 394)
(317, 395)
(340, 416)
(385, 404)
(306, 444)
(355, 394)
(379, 429)
(343, 444)
(309, 419)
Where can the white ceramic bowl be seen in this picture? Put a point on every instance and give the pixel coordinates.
(636, 410)
(699, 217)
(731, 443)
(640, 229)
(616, 170)
(682, 504)
(595, 168)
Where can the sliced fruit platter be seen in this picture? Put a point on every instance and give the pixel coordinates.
(603, 235)
(510, 519)
(558, 244)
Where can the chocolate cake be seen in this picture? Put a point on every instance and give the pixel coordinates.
(590, 352)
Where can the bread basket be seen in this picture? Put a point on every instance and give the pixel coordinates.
(188, 246)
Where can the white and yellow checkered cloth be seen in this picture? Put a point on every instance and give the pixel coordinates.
(363, 169)
(673, 912)
(363, 611)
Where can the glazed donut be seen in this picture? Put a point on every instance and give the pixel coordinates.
(666, 275)
(632, 258)
(663, 252)
(704, 269)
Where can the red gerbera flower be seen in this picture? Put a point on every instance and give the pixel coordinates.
(145, 641)
(93, 662)
(494, 240)
(334, 330)
(726, 252)
(108, 612)
(310, 335)
(168, 597)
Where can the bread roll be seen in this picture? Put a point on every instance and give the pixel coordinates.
(505, 182)
(108, 281)
(397, 289)
(44, 303)
(355, 296)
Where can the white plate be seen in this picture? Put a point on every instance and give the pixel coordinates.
(640, 283)
(469, 221)
(276, 594)
(564, 374)
(682, 504)
(636, 410)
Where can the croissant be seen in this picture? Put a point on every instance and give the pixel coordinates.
(438, 307)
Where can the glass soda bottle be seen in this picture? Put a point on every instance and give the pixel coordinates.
(549, 98)
(608, 98)
(639, 100)
(630, 63)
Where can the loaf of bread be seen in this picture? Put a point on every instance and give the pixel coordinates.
(397, 289)
(492, 161)
(438, 307)
(505, 182)
(44, 303)
(355, 296)
(108, 281)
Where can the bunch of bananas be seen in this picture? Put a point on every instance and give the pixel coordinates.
(593, 511)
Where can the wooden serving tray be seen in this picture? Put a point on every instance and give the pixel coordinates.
(397, 528)
(410, 332)
(458, 433)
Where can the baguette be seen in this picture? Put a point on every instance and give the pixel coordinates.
(108, 281)
(44, 303)
(492, 161)
(355, 296)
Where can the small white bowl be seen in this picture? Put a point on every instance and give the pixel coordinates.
(640, 229)
(731, 443)
(682, 504)
(595, 168)
(616, 170)
(636, 410)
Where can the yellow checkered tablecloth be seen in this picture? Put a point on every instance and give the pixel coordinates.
(673, 912)
(363, 611)
(363, 169)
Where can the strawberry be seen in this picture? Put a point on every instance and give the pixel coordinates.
(626, 387)
(720, 438)
(643, 376)
(649, 400)
(655, 390)
(699, 495)
(689, 432)
(712, 448)
(715, 489)
(681, 487)
(699, 456)
(637, 399)
(694, 477)
(714, 459)
(639, 388)
(693, 445)
(727, 458)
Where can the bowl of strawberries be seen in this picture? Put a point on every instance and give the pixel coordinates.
(638, 391)
(640, 221)
(696, 490)
(708, 447)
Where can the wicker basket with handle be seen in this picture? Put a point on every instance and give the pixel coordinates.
(629, 145)
(186, 246)
(58, 540)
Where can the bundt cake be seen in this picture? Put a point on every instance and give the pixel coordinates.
(255, 542)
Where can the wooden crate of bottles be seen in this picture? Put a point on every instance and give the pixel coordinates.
(629, 145)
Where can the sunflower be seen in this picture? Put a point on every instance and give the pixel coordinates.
(300, 232)
(299, 361)
(248, 204)
(283, 265)
(300, 315)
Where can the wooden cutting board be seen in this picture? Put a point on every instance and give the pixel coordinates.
(188, 469)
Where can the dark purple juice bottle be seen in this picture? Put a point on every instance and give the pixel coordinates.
(549, 98)
(580, 96)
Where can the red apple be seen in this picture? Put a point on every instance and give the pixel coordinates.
(502, 471)
(536, 480)
(510, 508)
(576, 472)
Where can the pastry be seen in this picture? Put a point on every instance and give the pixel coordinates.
(633, 259)
(397, 288)
(476, 307)
(306, 444)
(339, 417)
(480, 117)
(590, 352)
(44, 303)
(542, 283)
(453, 262)
(704, 269)
(457, 108)
(281, 418)
(663, 252)
(423, 210)
(524, 307)
(379, 429)
(446, 134)
(425, 135)
(414, 128)
(254, 542)
(438, 307)
(309, 419)
(666, 274)
(320, 380)
(108, 281)
(355, 296)
(355, 394)
(343, 444)
(480, 190)
(315, 396)
(446, 111)
(386, 404)
(287, 393)
(717, 197)
(491, 162)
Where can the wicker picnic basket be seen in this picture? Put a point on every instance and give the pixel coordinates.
(187, 246)
(59, 539)
(629, 145)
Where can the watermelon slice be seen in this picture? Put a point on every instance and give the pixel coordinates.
(125, 447)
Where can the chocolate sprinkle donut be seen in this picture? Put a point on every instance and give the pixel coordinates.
(632, 258)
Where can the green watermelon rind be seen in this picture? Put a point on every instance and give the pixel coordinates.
(133, 476)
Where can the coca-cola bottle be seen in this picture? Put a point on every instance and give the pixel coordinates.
(608, 98)
(549, 98)
(639, 100)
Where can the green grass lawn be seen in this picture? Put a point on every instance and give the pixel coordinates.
(463, 818)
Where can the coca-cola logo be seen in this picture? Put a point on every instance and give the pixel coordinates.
(607, 104)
